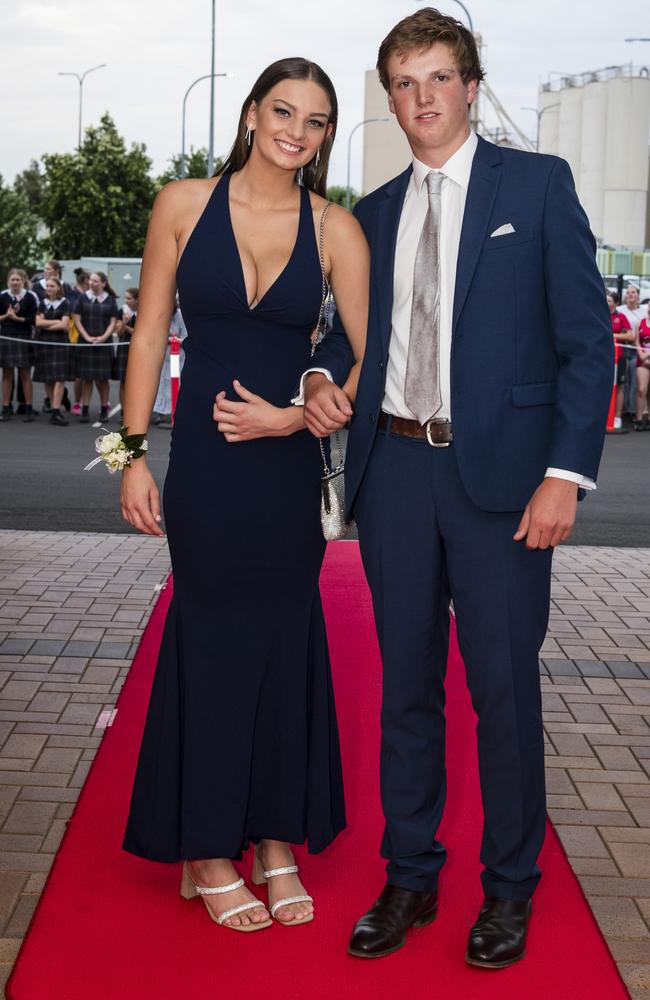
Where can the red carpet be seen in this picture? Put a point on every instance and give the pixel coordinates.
(112, 926)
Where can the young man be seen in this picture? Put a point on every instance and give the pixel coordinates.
(477, 420)
(634, 312)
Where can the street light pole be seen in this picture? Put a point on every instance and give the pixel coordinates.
(539, 112)
(467, 14)
(212, 76)
(366, 121)
(80, 80)
(206, 76)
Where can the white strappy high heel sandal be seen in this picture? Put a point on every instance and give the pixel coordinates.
(189, 889)
(260, 877)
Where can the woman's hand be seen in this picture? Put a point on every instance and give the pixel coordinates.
(254, 418)
(140, 499)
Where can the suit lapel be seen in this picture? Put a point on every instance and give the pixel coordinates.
(388, 216)
(484, 182)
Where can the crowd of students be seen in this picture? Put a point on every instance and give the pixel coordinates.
(631, 330)
(55, 333)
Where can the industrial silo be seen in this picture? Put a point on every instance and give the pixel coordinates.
(570, 124)
(626, 160)
(593, 148)
(549, 123)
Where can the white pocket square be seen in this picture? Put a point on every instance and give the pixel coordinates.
(502, 230)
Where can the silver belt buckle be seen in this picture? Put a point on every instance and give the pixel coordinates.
(436, 444)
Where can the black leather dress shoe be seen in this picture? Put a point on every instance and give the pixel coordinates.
(498, 938)
(382, 930)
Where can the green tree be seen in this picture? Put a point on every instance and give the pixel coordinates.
(31, 183)
(196, 165)
(98, 200)
(337, 195)
(20, 244)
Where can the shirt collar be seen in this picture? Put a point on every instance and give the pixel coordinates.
(55, 303)
(97, 298)
(458, 167)
(20, 296)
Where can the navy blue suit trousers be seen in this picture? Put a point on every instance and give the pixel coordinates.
(423, 541)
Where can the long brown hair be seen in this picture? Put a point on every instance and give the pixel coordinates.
(105, 282)
(297, 68)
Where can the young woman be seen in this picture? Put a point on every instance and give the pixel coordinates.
(95, 316)
(642, 373)
(17, 313)
(125, 328)
(240, 744)
(623, 334)
(51, 269)
(54, 363)
(162, 407)
(81, 286)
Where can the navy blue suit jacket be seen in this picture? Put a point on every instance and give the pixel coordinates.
(532, 348)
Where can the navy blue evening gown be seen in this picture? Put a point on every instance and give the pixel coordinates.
(240, 740)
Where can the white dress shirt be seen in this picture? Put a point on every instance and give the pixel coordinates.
(453, 195)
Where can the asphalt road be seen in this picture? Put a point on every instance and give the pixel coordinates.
(43, 485)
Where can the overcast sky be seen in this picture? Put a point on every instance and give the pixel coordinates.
(154, 51)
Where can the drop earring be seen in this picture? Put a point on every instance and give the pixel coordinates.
(249, 135)
(300, 176)
(318, 156)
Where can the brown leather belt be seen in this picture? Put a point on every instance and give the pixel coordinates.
(437, 431)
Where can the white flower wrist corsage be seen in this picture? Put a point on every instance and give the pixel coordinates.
(117, 449)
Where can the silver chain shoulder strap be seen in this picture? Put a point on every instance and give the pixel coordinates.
(322, 324)
(323, 313)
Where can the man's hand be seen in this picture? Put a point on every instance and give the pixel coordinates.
(549, 515)
(327, 408)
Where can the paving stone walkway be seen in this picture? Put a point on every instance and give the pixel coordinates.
(72, 610)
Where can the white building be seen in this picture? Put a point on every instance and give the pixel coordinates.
(385, 149)
(600, 123)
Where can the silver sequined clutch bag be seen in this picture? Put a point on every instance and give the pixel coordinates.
(332, 503)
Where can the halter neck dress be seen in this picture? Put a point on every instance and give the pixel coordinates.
(240, 741)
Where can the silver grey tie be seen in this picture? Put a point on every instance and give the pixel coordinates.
(422, 388)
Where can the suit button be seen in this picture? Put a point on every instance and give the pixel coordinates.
(381, 366)
(371, 418)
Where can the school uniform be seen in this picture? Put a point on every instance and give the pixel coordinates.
(18, 353)
(54, 363)
(96, 313)
(38, 288)
(620, 323)
(644, 340)
(122, 355)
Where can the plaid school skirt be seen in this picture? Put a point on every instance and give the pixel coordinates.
(54, 363)
(120, 360)
(17, 353)
(94, 362)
